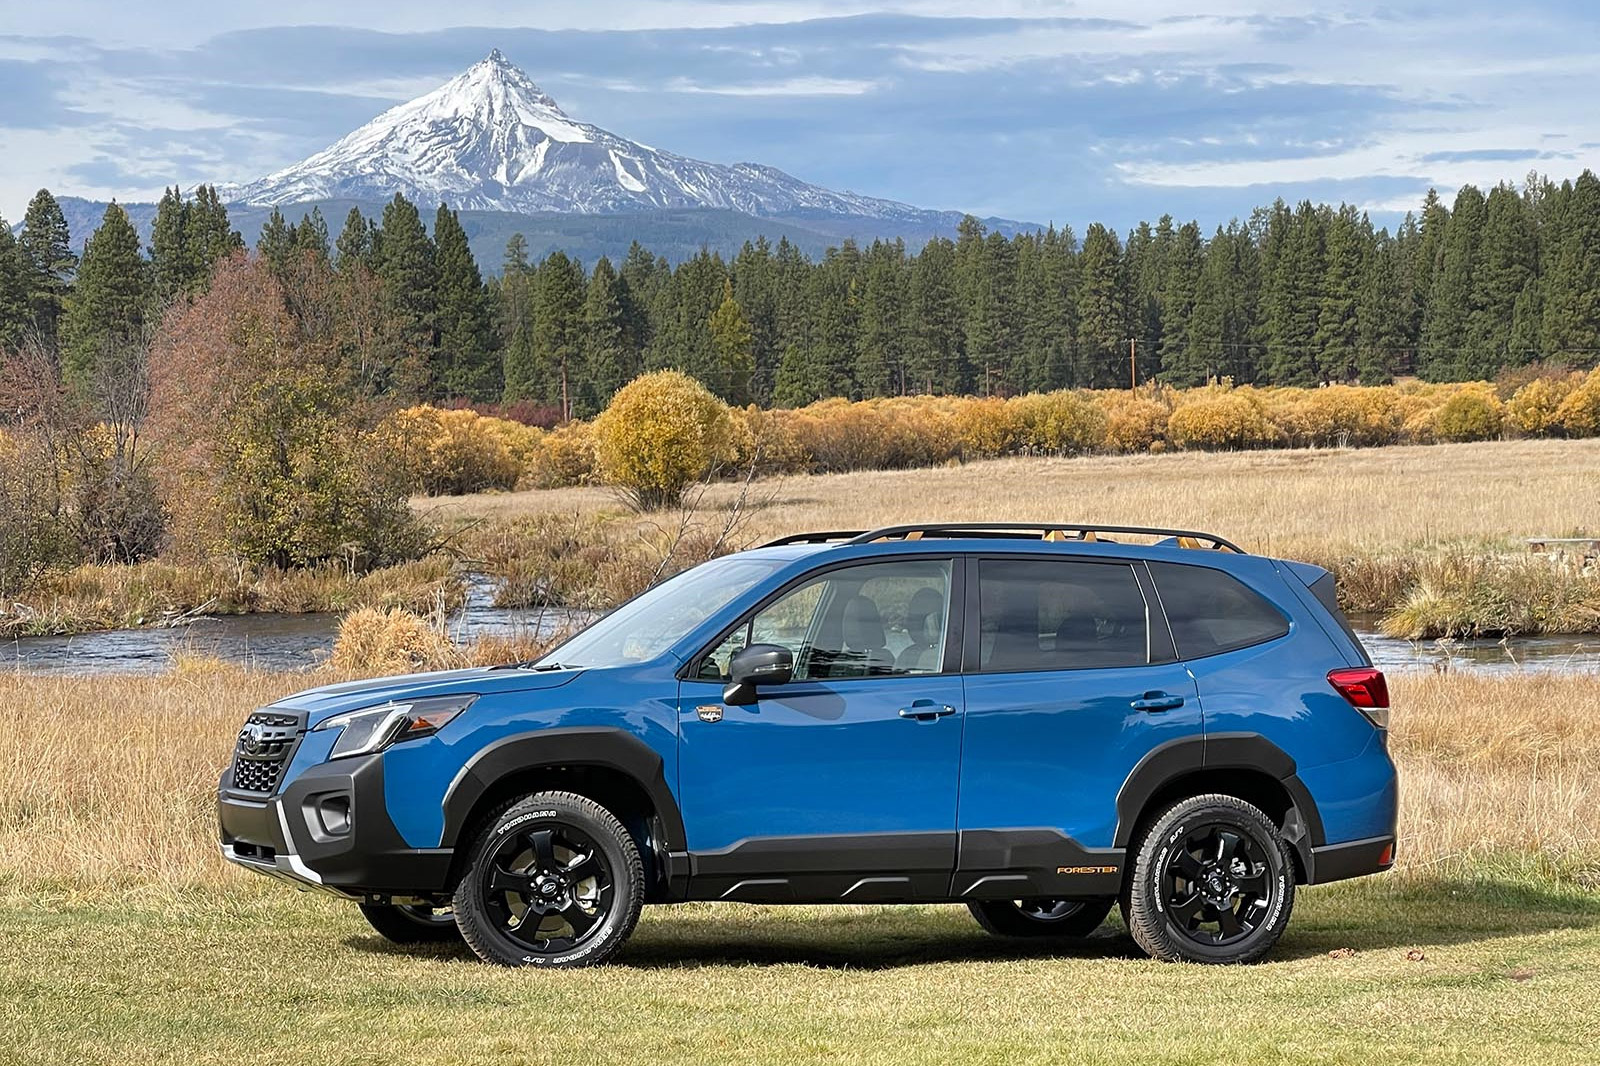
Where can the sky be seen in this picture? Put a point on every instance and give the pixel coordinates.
(1098, 110)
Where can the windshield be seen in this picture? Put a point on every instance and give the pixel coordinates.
(655, 620)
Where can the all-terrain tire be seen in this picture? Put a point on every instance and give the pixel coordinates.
(401, 924)
(1035, 918)
(504, 904)
(1210, 860)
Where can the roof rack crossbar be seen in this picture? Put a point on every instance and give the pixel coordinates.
(1045, 530)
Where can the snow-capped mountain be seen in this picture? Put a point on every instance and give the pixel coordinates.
(490, 139)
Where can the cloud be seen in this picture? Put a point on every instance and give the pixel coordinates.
(1124, 110)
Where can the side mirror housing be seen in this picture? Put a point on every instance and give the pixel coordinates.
(759, 664)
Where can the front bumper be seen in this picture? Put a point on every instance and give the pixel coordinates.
(329, 830)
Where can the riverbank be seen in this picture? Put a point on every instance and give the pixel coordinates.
(1434, 538)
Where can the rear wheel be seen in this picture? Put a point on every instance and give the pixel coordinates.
(1212, 882)
(1040, 917)
(554, 881)
(411, 924)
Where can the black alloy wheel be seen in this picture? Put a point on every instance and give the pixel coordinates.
(1041, 917)
(1218, 884)
(548, 888)
(1212, 881)
(412, 923)
(555, 880)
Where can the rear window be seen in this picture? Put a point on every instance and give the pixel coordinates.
(1212, 612)
(1055, 614)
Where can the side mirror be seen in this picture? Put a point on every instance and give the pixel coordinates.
(759, 664)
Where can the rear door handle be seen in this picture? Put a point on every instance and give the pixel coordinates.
(926, 710)
(1157, 701)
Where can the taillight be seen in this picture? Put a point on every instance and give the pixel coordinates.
(1366, 690)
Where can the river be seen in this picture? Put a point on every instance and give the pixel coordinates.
(300, 641)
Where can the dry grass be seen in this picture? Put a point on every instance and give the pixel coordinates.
(1300, 503)
(109, 782)
(92, 597)
(394, 641)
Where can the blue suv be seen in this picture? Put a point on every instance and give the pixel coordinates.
(1039, 722)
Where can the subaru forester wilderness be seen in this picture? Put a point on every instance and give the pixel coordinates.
(1039, 722)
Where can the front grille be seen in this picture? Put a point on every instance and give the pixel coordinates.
(263, 749)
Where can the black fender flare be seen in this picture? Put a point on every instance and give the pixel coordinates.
(1220, 751)
(601, 746)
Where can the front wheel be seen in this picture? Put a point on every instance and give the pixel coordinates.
(1212, 882)
(411, 924)
(1040, 917)
(553, 881)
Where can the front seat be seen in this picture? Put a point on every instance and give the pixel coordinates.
(924, 624)
(864, 650)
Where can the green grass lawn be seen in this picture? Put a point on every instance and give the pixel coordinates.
(265, 975)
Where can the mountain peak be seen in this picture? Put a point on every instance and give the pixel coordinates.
(491, 139)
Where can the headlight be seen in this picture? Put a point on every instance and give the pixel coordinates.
(375, 728)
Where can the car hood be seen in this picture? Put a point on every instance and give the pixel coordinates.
(329, 700)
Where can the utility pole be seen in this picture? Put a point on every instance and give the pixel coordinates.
(1133, 366)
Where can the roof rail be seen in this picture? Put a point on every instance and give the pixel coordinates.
(1052, 531)
(815, 538)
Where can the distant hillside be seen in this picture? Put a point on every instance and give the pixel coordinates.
(676, 234)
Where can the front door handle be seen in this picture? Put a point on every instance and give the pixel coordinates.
(1157, 701)
(926, 710)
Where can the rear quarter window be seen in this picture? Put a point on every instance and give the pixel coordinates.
(1212, 612)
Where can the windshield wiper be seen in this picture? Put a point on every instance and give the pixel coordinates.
(528, 664)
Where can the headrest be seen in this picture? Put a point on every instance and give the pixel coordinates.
(863, 625)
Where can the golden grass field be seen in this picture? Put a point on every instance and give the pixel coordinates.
(129, 940)
(1315, 502)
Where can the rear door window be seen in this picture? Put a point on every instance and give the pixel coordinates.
(1212, 612)
(1060, 614)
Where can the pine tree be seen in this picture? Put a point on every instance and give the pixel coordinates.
(558, 330)
(48, 262)
(734, 345)
(106, 310)
(1383, 314)
(1338, 335)
(1506, 263)
(355, 244)
(466, 364)
(1102, 310)
(276, 243)
(1292, 287)
(310, 237)
(609, 361)
(14, 317)
(935, 361)
(880, 368)
(406, 268)
(1445, 322)
(208, 238)
(1571, 327)
(170, 261)
(755, 287)
(1179, 296)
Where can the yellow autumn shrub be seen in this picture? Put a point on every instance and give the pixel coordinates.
(1058, 423)
(1579, 413)
(662, 432)
(453, 452)
(1474, 412)
(1338, 416)
(1534, 409)
(1134, 422)
(565, 457)
(986, 428)
(1222, 419)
